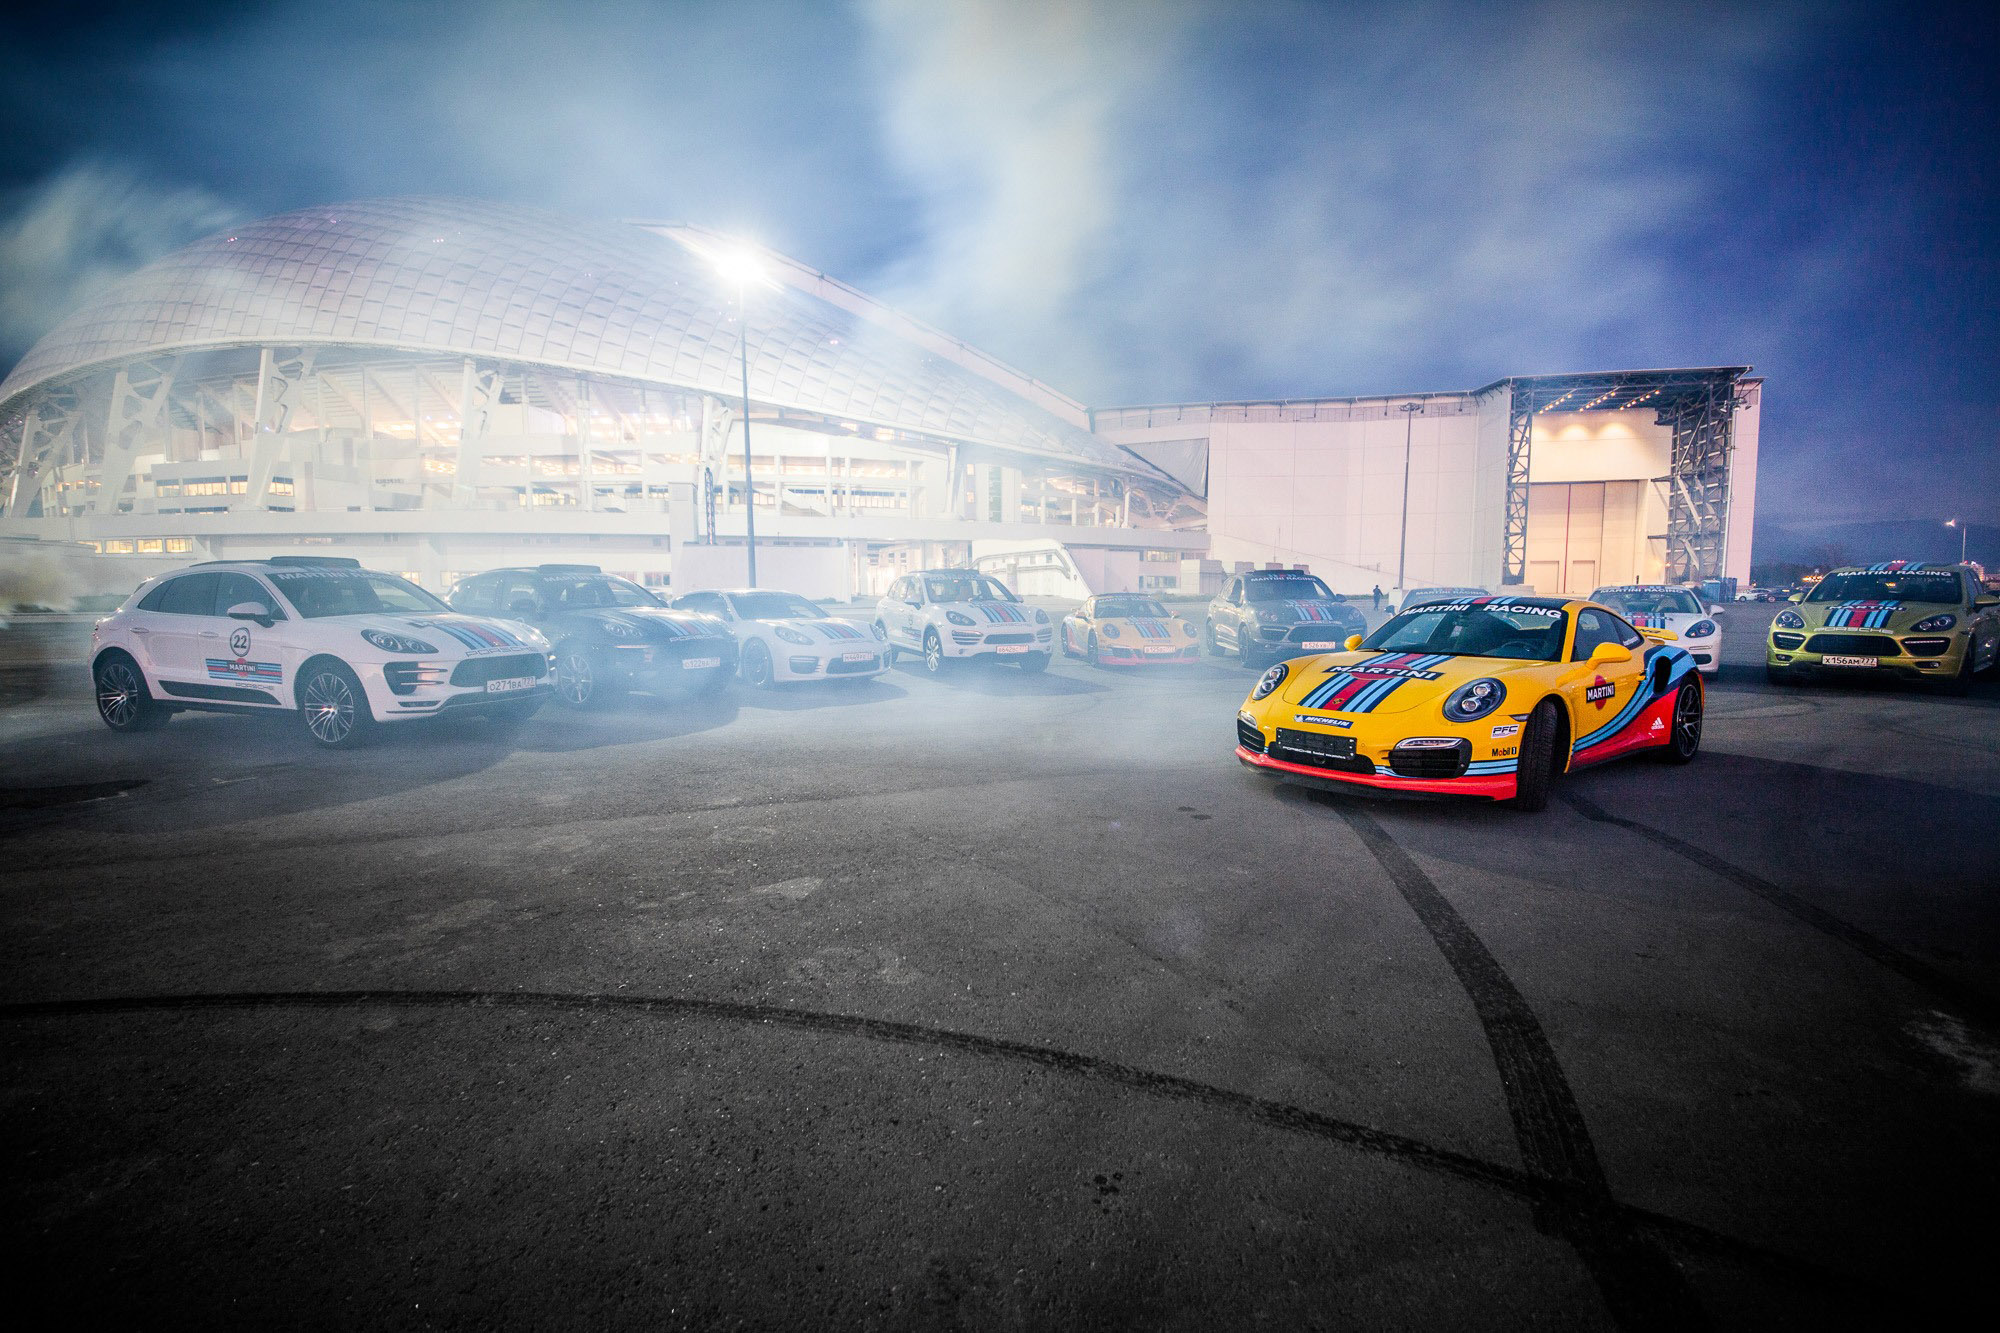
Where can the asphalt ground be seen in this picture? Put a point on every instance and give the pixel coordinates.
(996, 1001)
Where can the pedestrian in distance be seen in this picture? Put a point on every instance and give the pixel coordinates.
(1377, 595)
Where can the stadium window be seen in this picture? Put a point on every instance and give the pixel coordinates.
(179, 545)
(412, 578)
(151, 546)
(118, 546)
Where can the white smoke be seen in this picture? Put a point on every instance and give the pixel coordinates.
(82, 228)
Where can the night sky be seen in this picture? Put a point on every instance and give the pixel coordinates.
(1147, 202)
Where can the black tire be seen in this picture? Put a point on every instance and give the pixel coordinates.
(1208, 639)
(1090, 649)
(333, 706)
(757, 669)
(579, 677)
(1062, 635)
(1537, 769)
(1690, 703)
(1034, 664)
(935, 661)
(123, 701)
(1245, 654)
(882, 633)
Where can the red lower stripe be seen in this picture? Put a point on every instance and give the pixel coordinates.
(1498, 787)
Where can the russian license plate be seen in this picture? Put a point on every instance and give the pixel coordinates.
(509, 685)
(1318, 646)
(1157, 652)
(697, 663)
(1013, 647)
(1832, 659)
(857, 657)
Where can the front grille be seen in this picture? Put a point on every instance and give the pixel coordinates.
(1249, 737)
(964, 637)
(404, 677)
(1317, 631)
(1010, 638)
(804, 666)
(1859, 645)
(840, 668)
(1927, 647)
(1789, 642)
(1431, 763)
(479, 670)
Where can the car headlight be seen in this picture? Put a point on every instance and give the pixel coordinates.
(1701, 629)
(1187, 629)
(1110, 631)
(790, 635)
(1790, 620)
(397, 643)
(879, 634)
(1936, 623)
(1474, 700)
(618, 629)
(1271, 680)
(1041, 616)
(958, 618)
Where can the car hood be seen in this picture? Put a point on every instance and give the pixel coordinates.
(992, 613)
(1316, 609)
(1149, 628)
(825, 629)
(458, 635)
(1894, 617)
(1674, 622)
(1391, 682)
(652, 624)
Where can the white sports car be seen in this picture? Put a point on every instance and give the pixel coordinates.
(945, 615)
(1677, 610)
(786, 637)
(345, 647)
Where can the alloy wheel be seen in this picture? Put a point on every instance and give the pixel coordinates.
(118, 694)
(329, 708)
(575, 682)
(1687, 718)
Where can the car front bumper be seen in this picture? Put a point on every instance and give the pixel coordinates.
(1490, 787)
(805, 664)
(1900, 664)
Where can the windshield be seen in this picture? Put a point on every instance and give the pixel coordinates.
(593, 591)
(1935, 586)
(965, 588)
(1143, 607)
(774, 606)
(1286, 588)
(1504, 629)
(317, 593)
(1638, 601)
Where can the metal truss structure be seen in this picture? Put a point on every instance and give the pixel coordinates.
(1698, 405)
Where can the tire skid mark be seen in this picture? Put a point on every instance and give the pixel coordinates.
(1641, 1285)
(1970, 1002)
(1545, 1194)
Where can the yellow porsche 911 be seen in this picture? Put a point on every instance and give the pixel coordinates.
(1128, 629)
(1488, 697)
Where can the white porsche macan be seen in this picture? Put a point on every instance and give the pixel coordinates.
(346, 648)
(948, 615)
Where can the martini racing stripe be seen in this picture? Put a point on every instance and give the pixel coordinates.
(473, 634)
(1150, 629)
(1680, 664)
(1362, 687)
(1316, 610)
(1861, 615)
(839, 630)
(257, 673)
(1001, 612)
(665, 627)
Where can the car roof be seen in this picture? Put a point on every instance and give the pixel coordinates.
(1898, 567)
(280, 562)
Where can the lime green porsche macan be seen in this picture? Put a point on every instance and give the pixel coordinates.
(1919, 622)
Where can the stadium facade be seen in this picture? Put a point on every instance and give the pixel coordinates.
(439, 387)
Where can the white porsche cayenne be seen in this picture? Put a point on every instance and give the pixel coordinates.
(783, 636)
(347, 648)
(946, 615)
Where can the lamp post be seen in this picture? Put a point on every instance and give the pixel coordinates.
(1409, 411)
(1962, 527)
(743, 267)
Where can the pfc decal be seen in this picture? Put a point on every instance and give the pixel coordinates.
(1599, 692)
(239, 641)
(1510, 729)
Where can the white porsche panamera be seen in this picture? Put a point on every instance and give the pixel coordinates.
(784, 637)
(346, 648)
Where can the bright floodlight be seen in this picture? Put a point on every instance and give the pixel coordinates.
(740, 265)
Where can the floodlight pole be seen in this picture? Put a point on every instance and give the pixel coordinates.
(749, 483)
(1963, 532)
(1409, 411)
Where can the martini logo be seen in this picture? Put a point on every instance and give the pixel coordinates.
(239, 641)
(1599, 692)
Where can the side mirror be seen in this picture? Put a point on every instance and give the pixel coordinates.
(1715, 610)
(1796, 597)
(256, 611)
(1610, 652)
(1988, 600)
(1353, 644)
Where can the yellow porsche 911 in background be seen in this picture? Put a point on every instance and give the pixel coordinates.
(1128, 629)
(1898, 618)
(1488, 697)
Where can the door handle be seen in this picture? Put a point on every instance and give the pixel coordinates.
(140, 629)
(210, 634)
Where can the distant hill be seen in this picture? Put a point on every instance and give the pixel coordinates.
(1863, 543)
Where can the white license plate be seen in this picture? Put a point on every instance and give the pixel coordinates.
(1318, 646)
(511, 684)
(1013, 647)
(1832, 659)
(1159, 651)
(697, 663)
(857, 657)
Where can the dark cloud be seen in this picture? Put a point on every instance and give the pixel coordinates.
(1145, 201)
